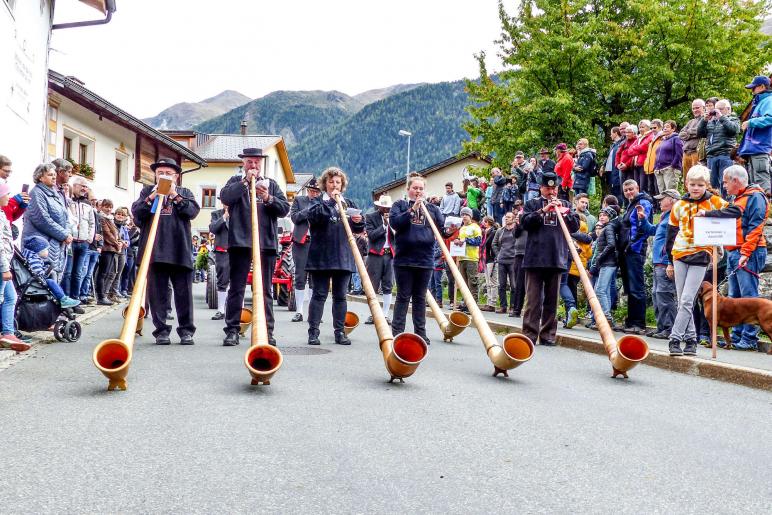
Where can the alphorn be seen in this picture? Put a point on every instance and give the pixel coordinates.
(631, 349)
(516, 348)
(450, 327)
(112, 357)
(261, 359)
(402, 353)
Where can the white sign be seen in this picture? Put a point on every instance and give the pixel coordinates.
(457, 250)
(715, 231)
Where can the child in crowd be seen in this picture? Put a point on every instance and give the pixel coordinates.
(7, 291)
(604, 261)
(36, 253)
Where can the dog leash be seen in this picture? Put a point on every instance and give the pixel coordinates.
(745, 268)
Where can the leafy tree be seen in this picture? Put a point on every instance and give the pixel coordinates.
(574, 68)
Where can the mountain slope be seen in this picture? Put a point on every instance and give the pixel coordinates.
(292, 114)
(374, 95)
(368, 147)
(187, 114)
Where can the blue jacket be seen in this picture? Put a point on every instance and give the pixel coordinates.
(630, 236)
(413, 236)
(47, 216)
(658, 252)
(37, 265)
(757, 138)
(587, 161)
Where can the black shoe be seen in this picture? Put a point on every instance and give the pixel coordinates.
(369, 320)
(297, 318)
(271, 340)
(313, 337)
(690, 348)
(425, 339)
(79, 310)
(548, 343)
(231, 339)
(662, 335)
(640, 331)
(342, 339)
(104, 302)
(162, 340)
(186, 339)
(675, 348)
(218, 316)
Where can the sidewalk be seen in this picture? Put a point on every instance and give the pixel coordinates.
(753, 369)
(92, 314)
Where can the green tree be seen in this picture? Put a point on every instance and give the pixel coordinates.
(574, 68)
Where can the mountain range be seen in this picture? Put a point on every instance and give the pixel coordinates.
(357, 133)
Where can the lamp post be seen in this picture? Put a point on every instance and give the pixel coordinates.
(407, 172)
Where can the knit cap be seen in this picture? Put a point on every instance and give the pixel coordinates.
(35, 244)
(466, 211)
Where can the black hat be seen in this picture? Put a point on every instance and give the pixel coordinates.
(549, 179)
(252, 152)
(313, 184)
(171, 163)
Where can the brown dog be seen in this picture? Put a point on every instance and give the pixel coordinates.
(732, 312)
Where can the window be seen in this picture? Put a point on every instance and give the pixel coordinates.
(121, 171)
(67, 148)
(208, 198)
(83, 154)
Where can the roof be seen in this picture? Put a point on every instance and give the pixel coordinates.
(77, 92)
(301, 179)
(227, 147)
(431, 169)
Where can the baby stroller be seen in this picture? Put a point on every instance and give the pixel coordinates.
(37, 308)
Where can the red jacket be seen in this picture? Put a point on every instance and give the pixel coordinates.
(15, 208)
(624, 154)
(563, 169)
(640, 148)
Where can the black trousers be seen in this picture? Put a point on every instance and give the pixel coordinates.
(541, 304)
(223, 268)
(300, 258)
(106, 264)
(240, 259)
(506, 274)
(158, 294)
(412, 283)
(321, 280)
(519, 299)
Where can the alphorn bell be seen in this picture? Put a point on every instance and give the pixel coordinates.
(401, 354)
(516, 348)
(631, 349)
(113, 357)
(450, 327)
(261, 359)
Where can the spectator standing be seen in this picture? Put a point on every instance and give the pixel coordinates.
(585, 167)
(474, 195)
(532, 180)
(519, 172)
(127, 278)
(625, 159)
(563, 168)
(498, 181)
(88, 287)
(510, 194)
(633, 245)
(8, 337)
(689, 261)
(719, 127)
(110, 247)
(47, 216)
(669, 158)
(664, 290)
(582, 206)
(569, 281)
(503, 245)
(83, 221)
(650, 181)
(488, 262)
(756, 143)
(470, 235)
(639, 151)
(435, 283)
(748, 258)
(545, 164)
(121, 217)
(603, 264)
(450, 205)
(17, 204)
(690, 138)
(610, 172)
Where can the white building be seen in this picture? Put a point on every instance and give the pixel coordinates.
(25, 33)
(106, 145)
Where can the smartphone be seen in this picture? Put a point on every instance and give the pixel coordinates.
(24, 188)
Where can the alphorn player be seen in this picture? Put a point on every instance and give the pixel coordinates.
(271, 205)
(301, 242)
(218, 226)
(413, 255)
(546, 258)
(330, 258)
(171, 261)
(380, 253)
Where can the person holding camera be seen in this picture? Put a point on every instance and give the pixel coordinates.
(719, 127)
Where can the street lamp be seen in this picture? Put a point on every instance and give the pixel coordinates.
(407, 172)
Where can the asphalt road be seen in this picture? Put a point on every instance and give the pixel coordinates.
(331, 435)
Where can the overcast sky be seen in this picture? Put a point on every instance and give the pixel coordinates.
(155, 53)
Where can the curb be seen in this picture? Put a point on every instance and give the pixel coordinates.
(699, 367)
